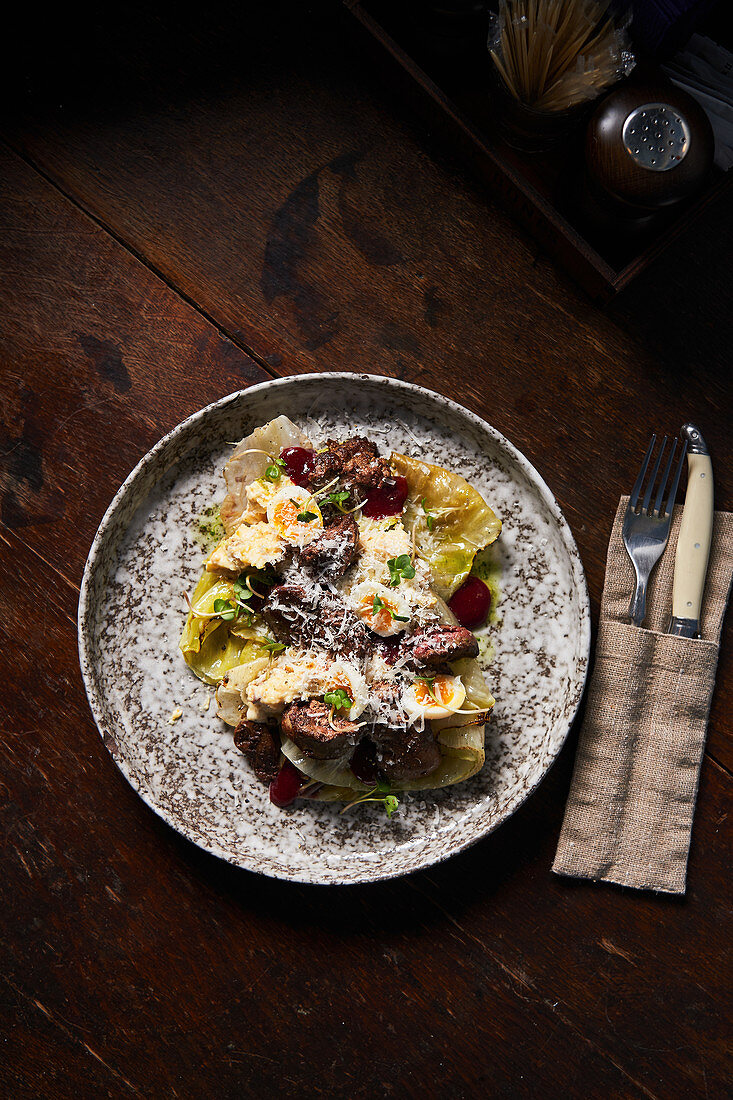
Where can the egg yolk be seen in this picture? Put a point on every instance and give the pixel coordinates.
(345, 684)
(383, 619)
(285, 518)
(442, 690)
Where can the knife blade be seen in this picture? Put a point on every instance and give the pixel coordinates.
(693, 543)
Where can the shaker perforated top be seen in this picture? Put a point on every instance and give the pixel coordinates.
(656, 136)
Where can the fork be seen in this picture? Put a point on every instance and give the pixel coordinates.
(646, 528)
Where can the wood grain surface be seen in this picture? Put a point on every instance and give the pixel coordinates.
(189, 206)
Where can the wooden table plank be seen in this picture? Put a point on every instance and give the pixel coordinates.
(99, 359)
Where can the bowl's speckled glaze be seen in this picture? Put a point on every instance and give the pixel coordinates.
(147, 554)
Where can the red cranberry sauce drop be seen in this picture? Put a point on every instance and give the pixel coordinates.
(471, 603)
(285, 786)
(388, 500)
(298, 463)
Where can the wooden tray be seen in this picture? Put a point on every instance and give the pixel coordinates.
(451, 89)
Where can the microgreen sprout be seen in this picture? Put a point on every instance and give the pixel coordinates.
(377, 794)
(400, 567)
(274, 471)
(242, 589)
(338, 699)
(264, 576)
(380, 605)
(338, 499)
(272, 646)
(429, 517)
(225, 609)
(306, 517)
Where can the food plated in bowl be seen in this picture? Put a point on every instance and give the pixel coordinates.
(321, 618)
(160, 722)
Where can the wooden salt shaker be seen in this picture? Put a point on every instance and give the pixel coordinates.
(648, 146)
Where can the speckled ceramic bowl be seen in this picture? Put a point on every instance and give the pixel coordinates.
(147, 554)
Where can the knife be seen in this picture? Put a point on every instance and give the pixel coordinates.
(693, 543)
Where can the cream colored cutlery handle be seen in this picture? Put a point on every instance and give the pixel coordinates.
(693, 544)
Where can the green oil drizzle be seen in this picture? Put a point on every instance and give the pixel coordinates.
(209, 528)
(487, 567)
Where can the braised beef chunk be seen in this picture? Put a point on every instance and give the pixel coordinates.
(364, 761)
(340, 632)
(387, 692)
(324, 466)
(401, 753)
(302, 618)
(406, 754)
(308, 725)
(356, 462)
(332, 552)
(441, 644)
(289, 611)
(257, 742)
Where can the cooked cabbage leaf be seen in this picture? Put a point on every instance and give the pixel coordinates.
(334, 773)
(229, 691)
(211, 646)
(450, 520)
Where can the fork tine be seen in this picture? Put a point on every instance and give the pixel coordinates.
(663, 481)
(673, 490)
(648, 494)
(638, 483)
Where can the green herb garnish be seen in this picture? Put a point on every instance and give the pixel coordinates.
(225, 609)
(377, 794)
(380, 605)
(429, 517)
(338, 499)
(274, 472)
(306, 517)
(400, 567)
(262, 576)
(272, 646)
(338, 699)
(242, 589)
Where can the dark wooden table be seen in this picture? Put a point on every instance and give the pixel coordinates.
(191, 204)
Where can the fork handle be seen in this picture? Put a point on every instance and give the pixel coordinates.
(693, 544)
(637, 608)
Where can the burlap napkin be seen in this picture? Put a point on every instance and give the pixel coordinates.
(632, 797)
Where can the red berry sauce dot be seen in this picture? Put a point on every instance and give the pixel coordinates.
(471, 603)
(298, 462)
(388, 500)
(285, 786)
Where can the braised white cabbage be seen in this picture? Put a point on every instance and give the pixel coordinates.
(451, 521)
(211, 646)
